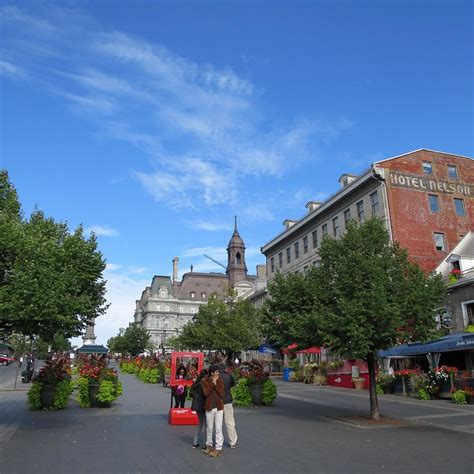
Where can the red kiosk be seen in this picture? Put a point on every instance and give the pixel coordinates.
(190, 360)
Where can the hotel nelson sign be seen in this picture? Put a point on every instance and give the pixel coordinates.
(431, 185)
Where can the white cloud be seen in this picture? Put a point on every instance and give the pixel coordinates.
(103, 231)
(10, 70)
(210, 226)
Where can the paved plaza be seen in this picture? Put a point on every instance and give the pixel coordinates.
(306, 431)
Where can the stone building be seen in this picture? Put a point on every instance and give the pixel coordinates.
(425, 198)
(168, 304)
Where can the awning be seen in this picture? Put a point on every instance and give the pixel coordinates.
(452, 342)
(92, 349)
(310, 350)
(267, 349)
(291, 347)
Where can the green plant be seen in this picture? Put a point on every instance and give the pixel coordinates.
(55, 370)
(459, 397)
(423, 394)
(61, 396)
(83, 392)
(269, 392)
(470, 328)
(109, 390)
(379, 389)
(241, 393)
(34, 396)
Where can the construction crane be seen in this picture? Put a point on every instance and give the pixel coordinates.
(215, 261)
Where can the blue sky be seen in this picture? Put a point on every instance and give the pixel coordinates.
(153, 123)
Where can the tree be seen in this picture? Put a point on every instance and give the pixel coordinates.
(134, 340)
(367, 297)
(226, 326)
(50, 279)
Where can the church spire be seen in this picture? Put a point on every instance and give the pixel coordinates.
(236, 267)
(235, 225)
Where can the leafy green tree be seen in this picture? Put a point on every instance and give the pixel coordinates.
(367, 297)
(133, 340)
(50, 279)
(225, 326)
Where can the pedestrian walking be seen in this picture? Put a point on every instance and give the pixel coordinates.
(198, 406)
(20, 360)
(179, 391)
(213, 389)
(229, 421)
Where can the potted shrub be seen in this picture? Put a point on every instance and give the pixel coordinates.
(52, 386)
(446, 376)
(256, 374)
(402, 381)
(98, 385)
(359, 383)
(385, 381)
(459, 397)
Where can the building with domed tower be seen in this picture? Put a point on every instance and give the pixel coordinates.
(170, 303)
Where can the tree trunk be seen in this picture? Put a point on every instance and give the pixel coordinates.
(374, 404)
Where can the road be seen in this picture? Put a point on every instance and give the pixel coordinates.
(309, 429)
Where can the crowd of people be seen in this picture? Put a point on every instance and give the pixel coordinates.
(212, 402)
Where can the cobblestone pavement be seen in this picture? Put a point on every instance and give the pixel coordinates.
(305, 431)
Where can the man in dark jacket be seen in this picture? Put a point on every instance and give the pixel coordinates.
(229, 421)
(213, 389)
(198, 406)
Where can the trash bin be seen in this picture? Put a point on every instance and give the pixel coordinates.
(286, 374)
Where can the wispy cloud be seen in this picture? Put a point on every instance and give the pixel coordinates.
(204, 129)
(9, 69)
(209, 226)
(103, 231)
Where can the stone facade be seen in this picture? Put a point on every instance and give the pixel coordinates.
(168, 304)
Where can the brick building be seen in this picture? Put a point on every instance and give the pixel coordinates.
(425, 198)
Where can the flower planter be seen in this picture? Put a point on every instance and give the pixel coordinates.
(256, 392)
(95, 402)
(319, 380)
(387, 388)
(47, 395)
(359, 383)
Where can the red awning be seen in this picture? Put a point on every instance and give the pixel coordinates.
(311, 350)
(291, 347)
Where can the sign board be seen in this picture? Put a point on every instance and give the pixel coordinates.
(355, 372)
(192, 363)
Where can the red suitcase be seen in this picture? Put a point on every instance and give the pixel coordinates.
(182, 416)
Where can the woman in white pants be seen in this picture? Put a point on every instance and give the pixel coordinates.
(213, 389)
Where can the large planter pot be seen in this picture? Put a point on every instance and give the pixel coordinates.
(445, 391)
(47, 395)
(320, 380)
(359, 383)
(93, 392)
(387, 388)
(256, 392)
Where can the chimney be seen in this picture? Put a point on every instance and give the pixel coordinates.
(261, 272)
(175, 269)
(288, 223)
(312, 206)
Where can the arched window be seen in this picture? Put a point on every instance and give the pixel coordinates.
(238, 258)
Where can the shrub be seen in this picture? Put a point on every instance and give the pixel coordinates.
(423, 394)
(379, 389)
(61, 396)
(459, 397)
(83, 392)
(241, 393)
(109, 390)
(34, 396)
(269, 392)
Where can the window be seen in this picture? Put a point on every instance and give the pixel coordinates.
(158, 307)
(315, 239)
(297, 250)
(459, 205)
(272, 264)
(452, 172)
(439, 242)
(335, 226)
(181, 309)
(305, 244)
(317, 263)
(347, 216)
(163, 293)
(193, 310)
(305, 269)
(434, 202)
(280, 259)
(238, 258)
(427, 167)
(360, 210)
(203, 296)
(324, 229)
(167, 308)
(288, 255)
(374, 203)
(192, 295)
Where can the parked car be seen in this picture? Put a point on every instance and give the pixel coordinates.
(6, 359)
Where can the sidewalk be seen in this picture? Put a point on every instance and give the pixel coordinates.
(302, 433)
